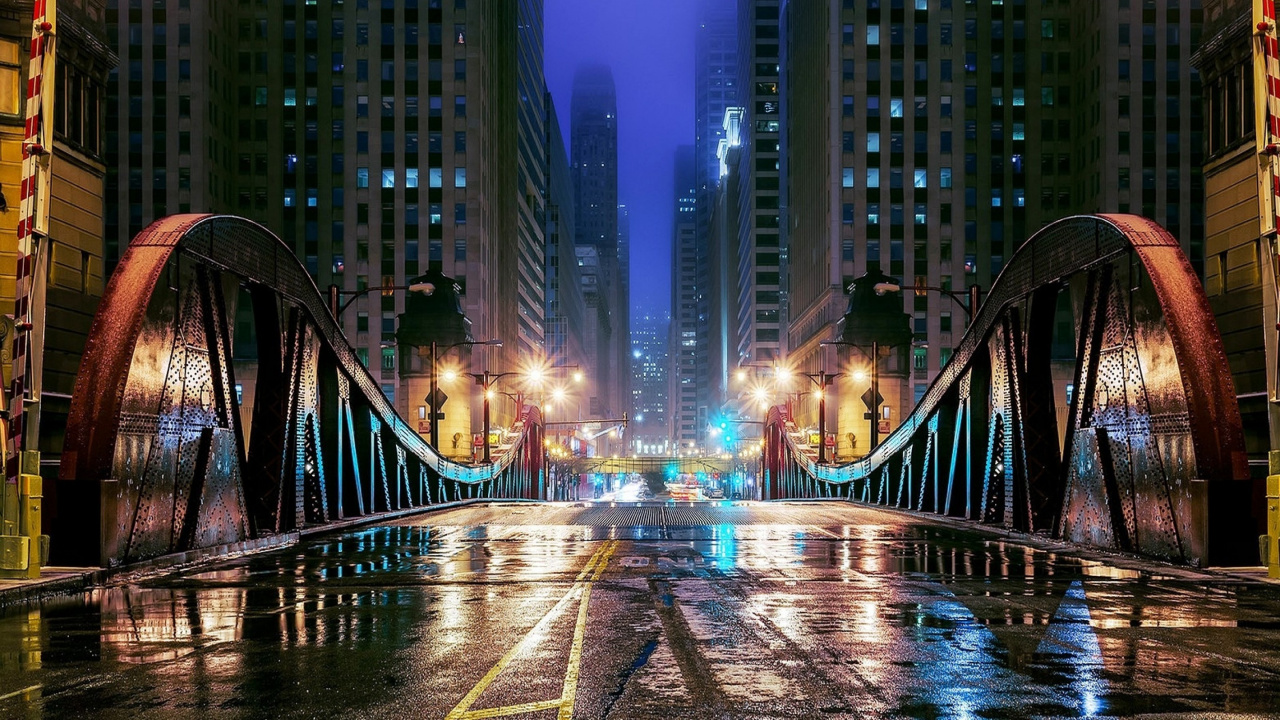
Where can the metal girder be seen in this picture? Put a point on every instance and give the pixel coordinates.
(156, 459)
(1151, 458)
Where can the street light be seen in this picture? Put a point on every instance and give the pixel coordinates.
(431, 397)
(823, 380)
(968, 302)
(335, 292)
(486, 380)
(875, 385)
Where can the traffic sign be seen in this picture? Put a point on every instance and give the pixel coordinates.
(883, 427)
(437, 399)
(477, 440)
(424, 426)
(831, 440)
(867, 396)
(814, 438)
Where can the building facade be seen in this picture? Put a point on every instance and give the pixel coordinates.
(760, 251)
(1240, 217)
(648, 432)
(930, 139)
(687, 418)
(70, 258)
(378, 140)
(594, 144)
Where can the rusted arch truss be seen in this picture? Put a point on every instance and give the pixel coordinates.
(157, 457)
(1150, 458)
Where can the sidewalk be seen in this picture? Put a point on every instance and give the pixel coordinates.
(52, 581)
(55, 580)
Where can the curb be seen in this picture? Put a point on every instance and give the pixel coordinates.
(70, 581)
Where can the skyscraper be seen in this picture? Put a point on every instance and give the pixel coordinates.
(931, 141)
(594, 143)
(378, 142)
(649, 431)
(688, 426)
(760, 252)
(530, 186)
(715, 88)
(565, 306)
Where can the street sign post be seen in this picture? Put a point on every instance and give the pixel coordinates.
(868, 398)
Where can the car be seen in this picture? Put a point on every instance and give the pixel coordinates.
(716, 494)
(736, 496)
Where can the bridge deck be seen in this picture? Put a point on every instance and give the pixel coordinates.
(760, 610)
(657, 514)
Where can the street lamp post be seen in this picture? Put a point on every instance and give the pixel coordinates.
(875, 387)
(823, 380)
(337, 308)
(431, 397)
(968, 302)
(486, 380)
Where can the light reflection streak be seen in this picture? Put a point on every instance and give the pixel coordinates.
(1071, 645)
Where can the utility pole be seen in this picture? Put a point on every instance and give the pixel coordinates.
(22, 469)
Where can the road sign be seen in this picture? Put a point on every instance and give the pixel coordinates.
(866, 399)
(831, 440)
(814, 438)
(477, 440)
(437, 399)
(424, 426)
(883, 427)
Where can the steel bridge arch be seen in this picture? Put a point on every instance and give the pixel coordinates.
(1152, 459)
(156, 459)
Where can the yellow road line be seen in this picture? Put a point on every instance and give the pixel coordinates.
(570, 693)
(521, 709)
(597, 563)
(824, 531)
(23, 691)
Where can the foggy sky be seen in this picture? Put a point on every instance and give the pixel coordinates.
(649, 45)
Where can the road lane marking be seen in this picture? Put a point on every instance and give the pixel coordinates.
(521, 709)
(581, 588)
(570, 692)
(824, 531)
(23, 691)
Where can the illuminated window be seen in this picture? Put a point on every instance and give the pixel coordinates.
(10, 69)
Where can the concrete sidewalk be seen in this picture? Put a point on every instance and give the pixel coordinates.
(52, 581)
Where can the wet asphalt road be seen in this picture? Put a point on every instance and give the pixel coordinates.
(708, 611)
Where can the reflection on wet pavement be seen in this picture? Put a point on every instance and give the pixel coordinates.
(715, 610)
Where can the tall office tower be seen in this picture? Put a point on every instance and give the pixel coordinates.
(722, 275)
(649, 430)
(531, 181)
(594, 145)
(622, 300)
(70, 259)
(760, 253)
(687, 427)
(715, 88)
(931, 140)
(1137, 141)
(172, 114)
(357, 134)
(565, 307)
(1240, 216)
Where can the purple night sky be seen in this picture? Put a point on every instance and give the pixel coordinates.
(649, 45)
